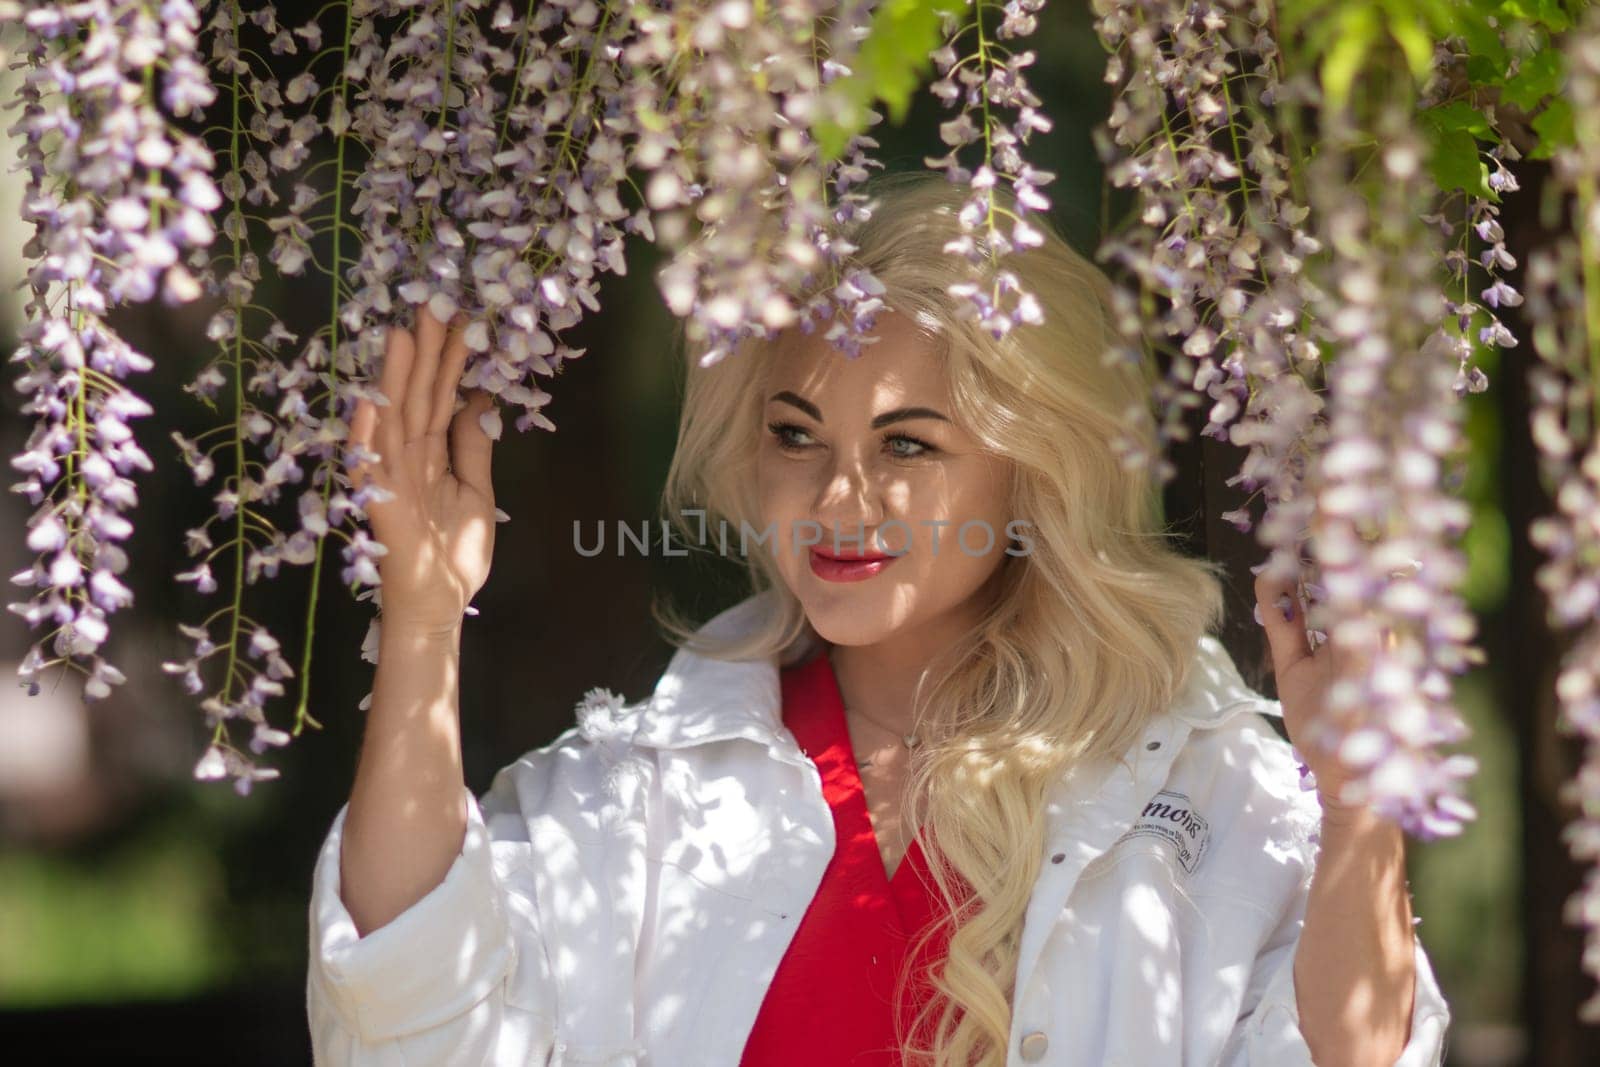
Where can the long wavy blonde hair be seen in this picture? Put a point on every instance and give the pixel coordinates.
(1083, 640)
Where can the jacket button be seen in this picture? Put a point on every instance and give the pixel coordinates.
(1058, 857)
(1033, 1046)
(1152, 746)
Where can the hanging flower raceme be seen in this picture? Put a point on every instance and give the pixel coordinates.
(1388, 523)
(1564, 305)
(474, 157)
(1259, 273)
(1216, 246)
(1474, 213)
(977, 82)
(1387, 526)
(849, 302)
(120, 198)
(271, 427)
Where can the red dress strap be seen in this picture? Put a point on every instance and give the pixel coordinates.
(831, 1000)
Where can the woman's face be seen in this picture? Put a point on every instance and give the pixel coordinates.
(867, 450)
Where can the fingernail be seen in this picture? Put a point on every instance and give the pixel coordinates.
(1286, 605)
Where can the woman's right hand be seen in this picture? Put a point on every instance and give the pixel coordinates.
(438, 526)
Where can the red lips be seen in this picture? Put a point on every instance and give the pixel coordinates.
(854, 557)
(855, 567)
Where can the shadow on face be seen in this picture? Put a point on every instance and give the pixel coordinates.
(864, 458)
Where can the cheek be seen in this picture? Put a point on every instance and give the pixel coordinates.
(780, 486)
(960, 492)
(975, 498)
(991, 497)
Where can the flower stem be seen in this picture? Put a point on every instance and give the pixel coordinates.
(1589, 264)
(302, 716)
(238, 415)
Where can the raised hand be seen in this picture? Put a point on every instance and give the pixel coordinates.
(438, 525)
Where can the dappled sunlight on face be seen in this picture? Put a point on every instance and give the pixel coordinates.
(867, 450)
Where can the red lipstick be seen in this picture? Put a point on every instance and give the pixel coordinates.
(848, 565)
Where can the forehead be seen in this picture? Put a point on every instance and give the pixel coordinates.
(902, 366)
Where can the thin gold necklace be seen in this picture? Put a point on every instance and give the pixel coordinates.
(910, 741)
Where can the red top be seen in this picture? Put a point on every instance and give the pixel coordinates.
(830, 1001)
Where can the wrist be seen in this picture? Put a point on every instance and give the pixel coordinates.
(1335, 814)
(417, 630)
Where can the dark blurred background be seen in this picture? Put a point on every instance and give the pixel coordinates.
(148, 918)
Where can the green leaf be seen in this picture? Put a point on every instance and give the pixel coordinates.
(1416, 42)
(1546, 12)
(1340, 37)
(1357, 32)
(1483, 70)
(889, 66)
(1470, 22)
(1554, 127)
(1538, 78)
(1458, 115)
(1456, 163)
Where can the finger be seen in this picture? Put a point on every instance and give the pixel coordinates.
(1279, 611)
(471, 449)
(362, 423)
(398, 356)
(419, 392)
(449, 379)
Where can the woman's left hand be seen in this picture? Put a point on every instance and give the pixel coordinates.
(1304, 678)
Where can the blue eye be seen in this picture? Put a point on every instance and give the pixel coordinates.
(781, 429)
(921, 447)
(913, 447)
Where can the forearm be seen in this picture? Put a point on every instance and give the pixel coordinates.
(407, 818)
(1354, 968)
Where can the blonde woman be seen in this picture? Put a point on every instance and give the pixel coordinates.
(964, 780)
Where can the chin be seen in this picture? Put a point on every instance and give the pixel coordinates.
(850, 615)
(849, 632)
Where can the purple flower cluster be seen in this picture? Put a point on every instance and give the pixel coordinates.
(1217, 247)
(1387, 525)
(476, 158)
(121, 202)
(1480, 216)
(274, 407)
(989, 77)
(848, 302)
(1300, 303)
(1564, 303)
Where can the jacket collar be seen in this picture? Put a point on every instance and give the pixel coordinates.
(699, 700)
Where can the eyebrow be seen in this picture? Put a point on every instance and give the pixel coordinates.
(884, 419)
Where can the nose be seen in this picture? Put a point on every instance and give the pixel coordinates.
(850, 501)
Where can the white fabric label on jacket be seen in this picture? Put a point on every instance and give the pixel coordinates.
(1170, 817)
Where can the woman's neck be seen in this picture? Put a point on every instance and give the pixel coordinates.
(879, 680)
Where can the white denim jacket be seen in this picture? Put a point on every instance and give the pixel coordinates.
(625, 893)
